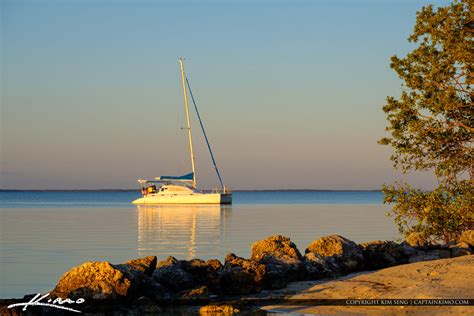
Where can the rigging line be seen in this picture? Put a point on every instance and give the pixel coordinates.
(204, 132)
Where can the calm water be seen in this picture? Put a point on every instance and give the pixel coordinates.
(43, 234)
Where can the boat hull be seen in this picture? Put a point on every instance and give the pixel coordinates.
(196, 198)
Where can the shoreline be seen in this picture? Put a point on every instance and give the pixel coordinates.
(275, 270)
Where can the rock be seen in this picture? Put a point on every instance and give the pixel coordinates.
(154, 290)
(441, 253)
(95, 280)
(382, 254)
(347, 253)
(104, 281)
(169, 261)
(173, 276)
(282, 260)
(425, 256)
(318, 267)
(147, 265)
(143, 285)
(416, 240)
(376, 257)
(277, 246)
(218, 310)
(17, 311)
(279, 271)
(241, 276)
(467, 237)
(179, 275)
(460, 249)
(436, 246)
(204, 273)
(201, 292)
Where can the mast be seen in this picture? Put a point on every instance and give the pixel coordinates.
(183, 82)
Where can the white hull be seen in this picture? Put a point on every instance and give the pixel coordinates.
(195, 198)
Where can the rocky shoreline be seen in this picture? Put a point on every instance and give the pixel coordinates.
(146, 286)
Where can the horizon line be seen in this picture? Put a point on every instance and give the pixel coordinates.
(237, 190)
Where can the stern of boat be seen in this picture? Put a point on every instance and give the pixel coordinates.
(226, 198)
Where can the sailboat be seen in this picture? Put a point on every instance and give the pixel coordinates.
(183, 189)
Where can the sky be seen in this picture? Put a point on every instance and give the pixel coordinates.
(290, 92)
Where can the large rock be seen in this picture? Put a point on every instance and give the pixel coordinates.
(277, 246)
(460, 249)
(241, 276)
(318, 267)
(282, 260)
(95, 280)
(104, 281)
(281, 270)
(204, 272)
(144, 285)
(181, 275)
(168, 262)
(170, 274)
(346, 252)
(383, 254)
(467, 237)
(147, 265)
(416, 240)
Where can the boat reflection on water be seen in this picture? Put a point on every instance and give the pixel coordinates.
(182, 231)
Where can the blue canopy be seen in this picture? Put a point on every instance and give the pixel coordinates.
(186, 177)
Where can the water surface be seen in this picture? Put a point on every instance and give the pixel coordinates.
(43, 234)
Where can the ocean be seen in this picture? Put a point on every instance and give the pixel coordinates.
(45, 233)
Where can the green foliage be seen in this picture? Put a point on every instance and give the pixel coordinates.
(441, 214)
(431, 124)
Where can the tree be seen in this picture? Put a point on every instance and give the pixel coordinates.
(431, 124)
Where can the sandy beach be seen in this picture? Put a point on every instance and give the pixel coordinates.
(441, 279)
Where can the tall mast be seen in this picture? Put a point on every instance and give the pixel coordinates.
(183, 82)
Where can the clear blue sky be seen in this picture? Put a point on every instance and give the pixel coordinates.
(290, 91)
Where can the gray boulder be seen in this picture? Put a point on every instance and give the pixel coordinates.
(381, 254)
(204, 272)
(460, 249)
(241, 276)
(147, 264)
(106, 282)
(282, 260)
(180, 275)
(99, 281)
(277, 246)
(170, 274)
(317, 266)
(347, 254)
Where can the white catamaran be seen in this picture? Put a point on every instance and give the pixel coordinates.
(182, 189)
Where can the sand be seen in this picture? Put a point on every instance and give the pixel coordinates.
(442, 279)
